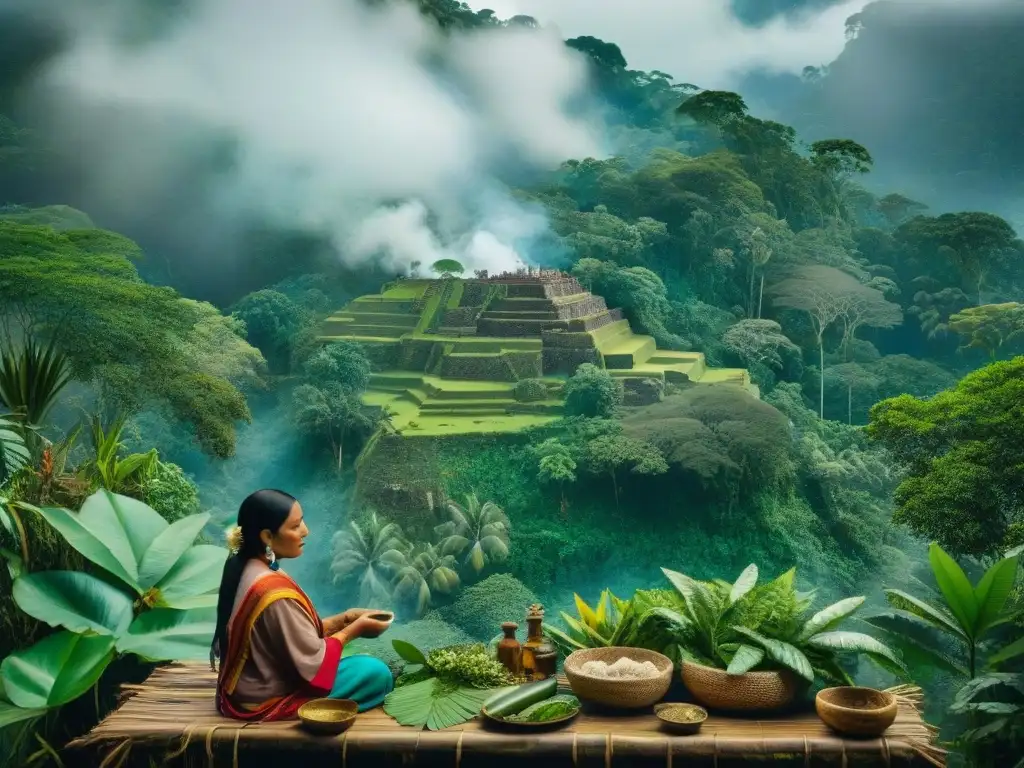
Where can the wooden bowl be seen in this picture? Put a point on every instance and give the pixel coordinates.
(749, 692)
(856, 711)
(620, 693)
(328, 715)
(673, 717)
(385, 616)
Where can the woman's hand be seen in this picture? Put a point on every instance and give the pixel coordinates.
(363, 626)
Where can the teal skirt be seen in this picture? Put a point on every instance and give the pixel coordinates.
(363, 679)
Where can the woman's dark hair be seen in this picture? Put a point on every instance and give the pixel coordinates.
(264, 510)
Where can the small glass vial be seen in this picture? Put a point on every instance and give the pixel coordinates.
(510, 653)
(539, 652)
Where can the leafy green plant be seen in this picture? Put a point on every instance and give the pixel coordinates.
(995, 702)
(31, 379)
(369, 555)
(445, 687)
(427, 575)
(14, 452)
(962, 618)
(597, 627)
(741, 627)
(477, 533)
(107, 468)
(158, 600)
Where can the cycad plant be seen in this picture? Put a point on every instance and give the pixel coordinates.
(477, 535)
(741, 627)
(14, 452)
(371, 555)
(427, 576)
(31, 378)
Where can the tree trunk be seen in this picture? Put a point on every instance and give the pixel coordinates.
(341, 445)
(849, 404)
(565, 504)
(760, 298)
(750, 298)
(821, 377)
(615, 486)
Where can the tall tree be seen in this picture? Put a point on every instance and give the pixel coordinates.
(825, 294)
(991, 327)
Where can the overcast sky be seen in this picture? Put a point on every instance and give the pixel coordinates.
(701, 41)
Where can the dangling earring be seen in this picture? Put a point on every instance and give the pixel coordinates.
(274, 565)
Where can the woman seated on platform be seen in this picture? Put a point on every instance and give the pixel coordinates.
(279, 652)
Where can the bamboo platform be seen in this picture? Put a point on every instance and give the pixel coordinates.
(171, 720)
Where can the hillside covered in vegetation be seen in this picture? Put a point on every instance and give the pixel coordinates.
(746, 357)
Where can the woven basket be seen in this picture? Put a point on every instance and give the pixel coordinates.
(751, 691)
(618, 693)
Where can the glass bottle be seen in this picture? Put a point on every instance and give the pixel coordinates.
(539, 654)
(509, 651)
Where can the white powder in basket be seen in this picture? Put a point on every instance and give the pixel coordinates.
(623, 669)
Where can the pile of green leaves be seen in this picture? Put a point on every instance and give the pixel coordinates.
(743, 627)
(445, 687)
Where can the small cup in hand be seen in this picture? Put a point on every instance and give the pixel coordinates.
(375, 623)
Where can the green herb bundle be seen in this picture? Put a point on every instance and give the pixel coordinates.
(445, 687)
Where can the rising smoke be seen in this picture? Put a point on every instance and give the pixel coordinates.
(338, 119)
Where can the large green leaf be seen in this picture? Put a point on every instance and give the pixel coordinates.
(746, 582)
(76, 601)
(993, 591)
(56, 670)
(12, 713)
(435, 704)
(140, 522)
(858, 642)
(899, 627)
(168, 547)
(930, 614)
(829, 617)
(164, 634)
(107, 549)
(781, 653)
(956, 588)
(1007, 652)
(409, 652)
(745, 659)
(197, 572)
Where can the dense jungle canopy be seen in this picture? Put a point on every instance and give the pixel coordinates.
(885, 334)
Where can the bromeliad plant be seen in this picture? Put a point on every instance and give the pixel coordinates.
(743, 626)
(158, 601)
(632, 623)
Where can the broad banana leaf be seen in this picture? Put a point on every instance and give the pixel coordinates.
(164, 552)
(197, 572)
(76, 601)
(164, 634)
(56, 670)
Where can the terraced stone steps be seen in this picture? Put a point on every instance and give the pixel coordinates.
(629, 352)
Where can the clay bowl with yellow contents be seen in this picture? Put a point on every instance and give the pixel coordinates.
(328, 715)
(855, 711)
(680, 718)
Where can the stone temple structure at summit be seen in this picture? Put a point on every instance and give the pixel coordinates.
(450, 354)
